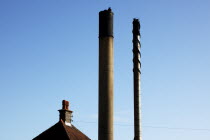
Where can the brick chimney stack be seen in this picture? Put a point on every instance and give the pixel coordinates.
(65, 113)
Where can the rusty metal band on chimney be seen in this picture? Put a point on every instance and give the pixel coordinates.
(136, 79)
(105, 128)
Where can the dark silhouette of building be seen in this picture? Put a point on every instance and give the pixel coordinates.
(63, 129)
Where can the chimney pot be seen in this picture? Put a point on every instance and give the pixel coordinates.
(65, 105)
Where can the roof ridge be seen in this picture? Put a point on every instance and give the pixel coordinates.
(64, 126)
(58, 123)
(63, 131)
(73, 133)
(79, 131)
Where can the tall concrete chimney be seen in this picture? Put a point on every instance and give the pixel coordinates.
(105, 130)
(137, 79)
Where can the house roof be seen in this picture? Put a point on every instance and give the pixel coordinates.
(60, 131)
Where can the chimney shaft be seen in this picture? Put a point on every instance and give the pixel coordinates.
(65, 113)
(136, 79)
(105, 131)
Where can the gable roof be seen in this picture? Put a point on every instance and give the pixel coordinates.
(60, 131)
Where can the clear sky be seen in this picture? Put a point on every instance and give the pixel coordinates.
(49, 52)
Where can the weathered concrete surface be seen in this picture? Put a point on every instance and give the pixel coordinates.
(105, 128)
(106, 88)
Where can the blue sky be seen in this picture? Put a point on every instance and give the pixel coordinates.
(49, 52)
